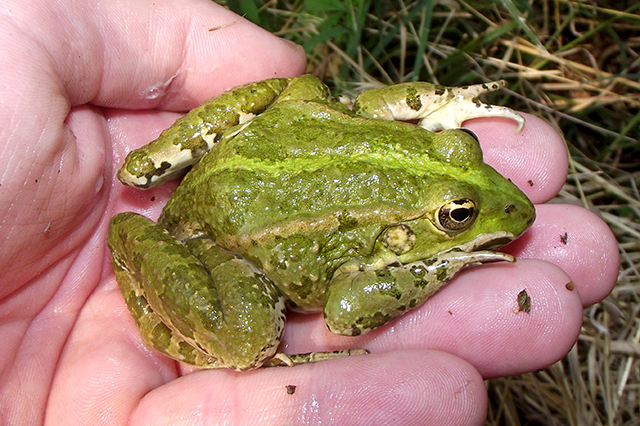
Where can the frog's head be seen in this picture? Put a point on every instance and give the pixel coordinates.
(467, 204)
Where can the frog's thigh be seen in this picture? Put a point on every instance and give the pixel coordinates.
(195, 302)
(304, 87)
(361, 301)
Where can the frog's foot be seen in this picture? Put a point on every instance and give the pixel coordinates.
(435, 107)
(463, 104)
(397, 288)
(195, 301)
(284, 360)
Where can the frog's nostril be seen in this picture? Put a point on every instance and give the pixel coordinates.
(510, 208)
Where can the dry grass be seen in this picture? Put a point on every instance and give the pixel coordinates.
(576, 64)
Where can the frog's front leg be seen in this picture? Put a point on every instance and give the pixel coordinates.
(360, 301)
(194, 301)
(435, 107)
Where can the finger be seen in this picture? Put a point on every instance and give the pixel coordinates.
(400, 388)
(482, 319)
(54, 193)
(110, 369)
(134, 54)
(537, 163)
(577, 241)
(476, 317)
(137, 54)
(184, 54)
(535, 160)
(105, 366)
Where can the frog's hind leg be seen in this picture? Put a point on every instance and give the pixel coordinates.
(194, 301)
(435, 107)
(193, 135)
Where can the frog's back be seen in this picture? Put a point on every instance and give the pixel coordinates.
(319, 168)
(305, 189)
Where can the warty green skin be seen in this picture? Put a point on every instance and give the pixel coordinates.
(311, 205)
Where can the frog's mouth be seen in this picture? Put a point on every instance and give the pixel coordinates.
(488, 241)
(482, 248)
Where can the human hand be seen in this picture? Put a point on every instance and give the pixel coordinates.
(95, 80)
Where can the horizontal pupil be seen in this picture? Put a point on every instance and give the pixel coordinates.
(460, 214)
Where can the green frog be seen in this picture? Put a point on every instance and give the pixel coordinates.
(297, 201)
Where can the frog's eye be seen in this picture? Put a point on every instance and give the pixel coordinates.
(456, 215)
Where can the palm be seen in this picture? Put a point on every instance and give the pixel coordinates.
(70, 349)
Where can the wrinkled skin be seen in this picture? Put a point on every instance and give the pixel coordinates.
(71, 352)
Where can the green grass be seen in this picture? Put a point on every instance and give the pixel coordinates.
(576, 64)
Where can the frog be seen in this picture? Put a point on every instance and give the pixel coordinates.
(293, 200)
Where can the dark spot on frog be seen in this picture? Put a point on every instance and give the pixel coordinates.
(439, 90)
(306, 287)
(442, 274)
(185, 348)
(153, 198)
(160, 170)
(413, 100)
(429, 262)
(383, 273)
(510, 208)
(201, 148)
(36, 180)
(281, 264)
(390, 289)
(291, 389)
(563, 238)
(373, 321)
(347, 221)
(417, 271)
(530, 182)
(421, 283)
(264, 349)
